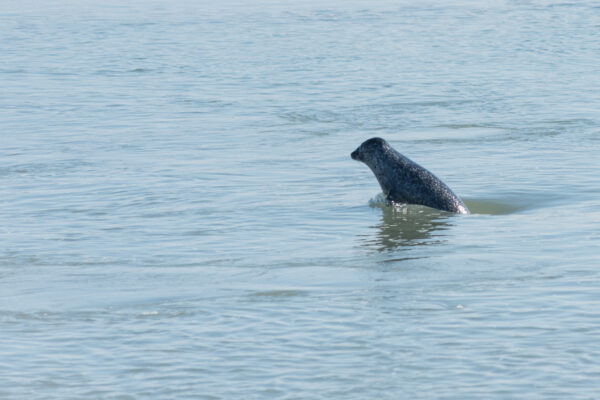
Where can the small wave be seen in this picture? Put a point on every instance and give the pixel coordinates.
(278, 294)
(13, 71)
(378, 201)
(316, 116)
(456, 132)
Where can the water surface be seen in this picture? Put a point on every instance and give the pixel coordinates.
(180, 216)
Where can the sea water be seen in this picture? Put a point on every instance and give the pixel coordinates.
(180, 216)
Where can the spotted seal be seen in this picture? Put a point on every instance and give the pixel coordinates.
(403, 180)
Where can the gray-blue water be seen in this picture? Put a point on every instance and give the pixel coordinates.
(180, 216)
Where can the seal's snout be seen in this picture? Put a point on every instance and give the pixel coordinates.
(354, 155)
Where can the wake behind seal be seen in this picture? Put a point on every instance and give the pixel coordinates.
(404, 181)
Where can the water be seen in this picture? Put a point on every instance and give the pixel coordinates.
(180, 216)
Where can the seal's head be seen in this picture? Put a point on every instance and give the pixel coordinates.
(368, 149)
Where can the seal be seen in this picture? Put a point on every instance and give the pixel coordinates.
(403, 180)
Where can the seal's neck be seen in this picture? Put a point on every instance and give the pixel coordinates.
(381, 170)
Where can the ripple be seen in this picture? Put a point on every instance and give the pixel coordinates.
(283, 293)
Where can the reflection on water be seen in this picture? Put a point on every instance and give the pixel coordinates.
(405, 226)
(408, 226)
(492, 207)
(511, 203)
